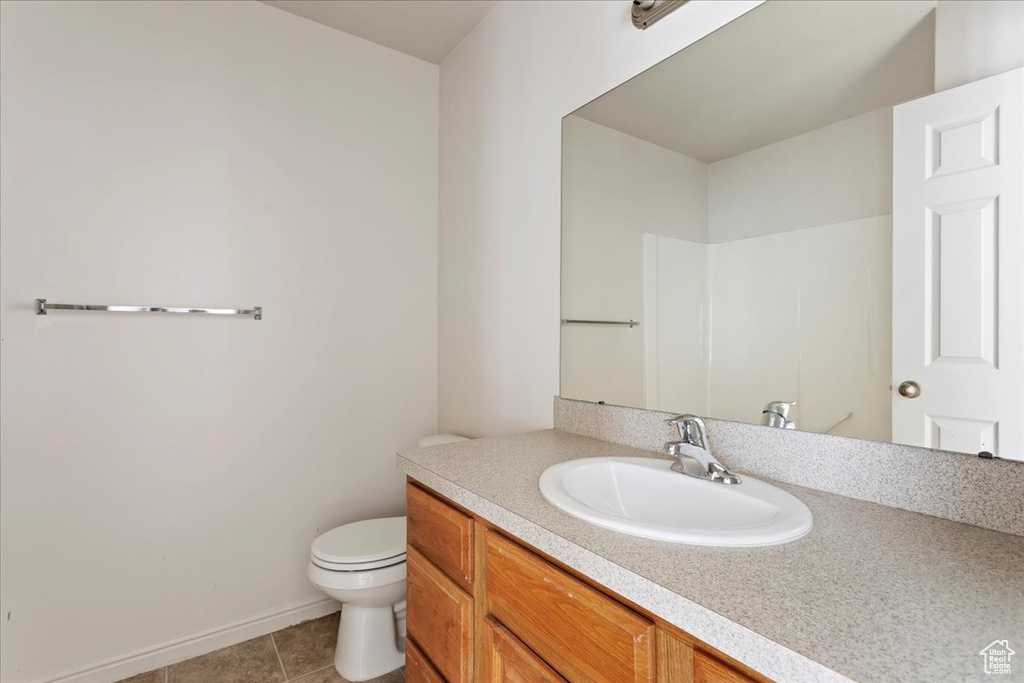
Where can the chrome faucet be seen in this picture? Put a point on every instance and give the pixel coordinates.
(693, 443)
(776, 414)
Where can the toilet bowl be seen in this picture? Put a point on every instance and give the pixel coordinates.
(362, 566)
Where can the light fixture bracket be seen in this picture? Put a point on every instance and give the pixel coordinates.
(646, 13)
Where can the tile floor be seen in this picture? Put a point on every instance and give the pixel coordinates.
(303, 653)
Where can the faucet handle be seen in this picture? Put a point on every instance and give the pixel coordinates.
(679, 422)
(684, 423)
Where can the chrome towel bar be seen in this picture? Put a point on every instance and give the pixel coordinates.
(630, 323)
(42, 306)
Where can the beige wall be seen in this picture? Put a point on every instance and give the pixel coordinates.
(504, 91)
(837, 173)
(164, 475)
(975, 39)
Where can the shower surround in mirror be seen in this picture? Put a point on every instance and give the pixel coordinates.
(747, 223)
(792, 300)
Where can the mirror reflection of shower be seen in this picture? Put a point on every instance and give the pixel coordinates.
(734, 246)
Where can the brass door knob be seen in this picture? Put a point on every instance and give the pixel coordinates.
(910, 389)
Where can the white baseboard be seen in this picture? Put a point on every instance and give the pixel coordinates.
(179, 649)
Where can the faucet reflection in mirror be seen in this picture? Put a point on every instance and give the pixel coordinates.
(776, 414)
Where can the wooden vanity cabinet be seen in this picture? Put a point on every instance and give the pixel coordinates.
(485, 607)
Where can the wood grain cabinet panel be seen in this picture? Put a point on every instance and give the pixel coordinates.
(675, 658)
(417, 668)
(442, 533)
(582, 633)
(506, 660)
(439, 619)
(708, 669)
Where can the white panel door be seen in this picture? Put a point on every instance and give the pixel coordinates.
(958, 268)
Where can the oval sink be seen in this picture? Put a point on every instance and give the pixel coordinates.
(643, 497)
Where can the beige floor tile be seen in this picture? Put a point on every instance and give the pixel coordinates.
(148, 677)
(253, 661)
(330, 675)
(308, 646)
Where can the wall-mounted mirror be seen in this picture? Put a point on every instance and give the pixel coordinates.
(800, 222)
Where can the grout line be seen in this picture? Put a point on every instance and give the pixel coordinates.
(167, 674)
(280, 663)
(310, 673)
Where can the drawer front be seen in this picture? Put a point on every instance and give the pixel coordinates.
(417, 668)
(582, 633)
(506, 660)
(707, 669)
(440, 619)
(442, 533)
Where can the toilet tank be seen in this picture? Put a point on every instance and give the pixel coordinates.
(436, 439)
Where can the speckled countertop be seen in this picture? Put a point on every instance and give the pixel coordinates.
(873, 593)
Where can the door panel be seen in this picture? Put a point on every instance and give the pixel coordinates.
(958, 267)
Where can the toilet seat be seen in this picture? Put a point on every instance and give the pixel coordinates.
(361, 546)
(357, 566)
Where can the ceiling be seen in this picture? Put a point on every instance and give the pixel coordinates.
(785, 68)
(428, 29)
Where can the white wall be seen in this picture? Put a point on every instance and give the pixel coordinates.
(504, 91)
(834, 174)
(975, 39)
(675, 325)
(800, 278)
(163, 475)
(615, 188)
(806, 316)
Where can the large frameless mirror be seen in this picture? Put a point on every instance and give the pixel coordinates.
(789, 224)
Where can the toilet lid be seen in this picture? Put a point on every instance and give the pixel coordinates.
(368, 541)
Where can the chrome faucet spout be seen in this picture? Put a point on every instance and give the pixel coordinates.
(776, 414)
(693, 443)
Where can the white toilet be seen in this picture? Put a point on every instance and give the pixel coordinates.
(362, 566)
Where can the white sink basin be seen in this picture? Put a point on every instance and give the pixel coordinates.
(643, 497)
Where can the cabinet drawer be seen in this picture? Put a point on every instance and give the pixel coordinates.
(707, 669)
(417, 668)
(581, 632)
(506, 660)
(442, 533)
(440, 619)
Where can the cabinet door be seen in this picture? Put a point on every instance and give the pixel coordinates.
(675, 658)
(417, 668)
(506, 660)
(440, 619)
(707, 669)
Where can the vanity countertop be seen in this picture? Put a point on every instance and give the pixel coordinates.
(873, 593)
